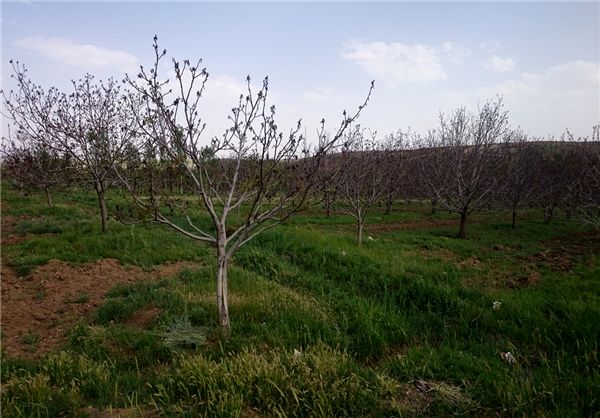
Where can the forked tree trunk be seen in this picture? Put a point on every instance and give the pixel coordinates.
(463, 222)
(102, 203)
(222, 292)
(48, 197)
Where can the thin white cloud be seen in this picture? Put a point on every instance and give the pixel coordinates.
(227, 89)
(319, 94)
(90, 57)
(562, 96)
(455, 53)
(395, 63)
(498, 64)
(489, 45)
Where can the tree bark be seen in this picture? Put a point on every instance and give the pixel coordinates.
(463, 222)
(388, 204)
(360, 231)
(48, 197)
(548, 211)
(222, 292)
(328, 204)
(102, 203)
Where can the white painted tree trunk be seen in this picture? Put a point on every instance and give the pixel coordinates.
(222, 292)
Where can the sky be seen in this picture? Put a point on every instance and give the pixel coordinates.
(427, 58)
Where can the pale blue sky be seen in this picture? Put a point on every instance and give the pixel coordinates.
(320, 57)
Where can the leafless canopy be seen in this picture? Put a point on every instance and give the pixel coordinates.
(464, 160)
(253, 171)
(91, 124)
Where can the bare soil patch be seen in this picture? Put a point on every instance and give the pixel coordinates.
(472, 263)
(8, 224)
(563, 253)
(443, 254)
(143, 319)
(119, 413)
(418, 224)
(39, 308)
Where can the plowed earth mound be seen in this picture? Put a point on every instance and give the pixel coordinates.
(39, 308)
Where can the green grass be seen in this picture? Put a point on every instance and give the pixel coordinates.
(320, 326)
(70, 231)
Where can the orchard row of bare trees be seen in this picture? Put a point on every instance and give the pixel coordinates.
(469, 163)
(148, 129)
(144, 135)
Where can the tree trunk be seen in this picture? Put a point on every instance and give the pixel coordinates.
(548, 211)
(433, 205)
(514, 218)
(360, 231)
(328, 204)
(463, 222)
(102, 203)
(388, 204)
(222, 293)
(48, 197)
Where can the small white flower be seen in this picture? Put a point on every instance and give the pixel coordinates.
(344, 254)
(370, 238)
(496, 305)
(508, 357)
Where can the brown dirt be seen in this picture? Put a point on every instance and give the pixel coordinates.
(560, 255)
(472, 263)
(119, 413)
(563, 253)
(443, 254)
(416, 396)
(418, 224)
(8, 224)
(39, 308)
(144, 318)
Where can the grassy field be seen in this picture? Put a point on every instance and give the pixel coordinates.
(401, 326)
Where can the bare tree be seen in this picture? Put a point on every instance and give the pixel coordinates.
(559, 174)
(91, 124)
(253, 171)
(463, 168)
(34, 164)
(589, 181)
(327, 188)
(362, 176)
(521, 161)
(395, 164)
